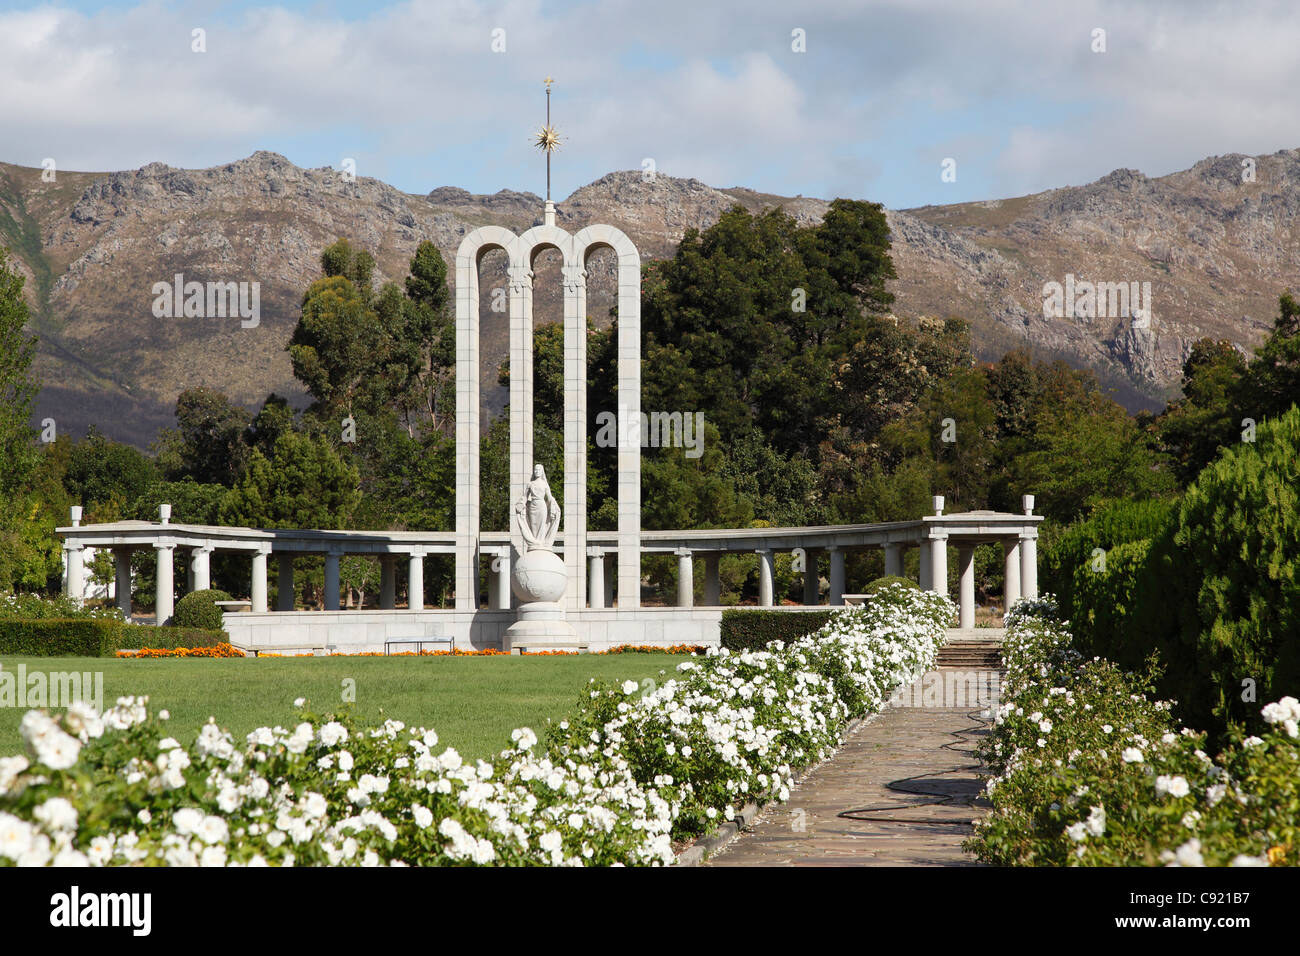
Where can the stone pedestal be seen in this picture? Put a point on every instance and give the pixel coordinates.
(538, 580)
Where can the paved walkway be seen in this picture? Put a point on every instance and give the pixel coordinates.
(901, 791)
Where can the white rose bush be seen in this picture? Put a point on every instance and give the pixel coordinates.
(631, 773)
(1088, 768)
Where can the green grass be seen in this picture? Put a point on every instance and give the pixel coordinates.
(472, 702)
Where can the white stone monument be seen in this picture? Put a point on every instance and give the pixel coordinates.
(538, 576)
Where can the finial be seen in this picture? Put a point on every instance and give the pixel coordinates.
(548, 139)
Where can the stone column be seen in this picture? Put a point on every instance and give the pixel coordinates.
(201, 567)
(415, 583)
(284, 581)
(894, 559)
(74, 559)
(387, 582)
(966, 562)
(332, 581)
(836, 597)
(164, 594)
(499, 598)
(575, 431)
(521, 392)
(257, 592)
(629, 401)
(685, 578)
(122, 580)
(812, 585)
(939, 565)
(1011, 587)
(712, 580)
(1029, 564)
(596, 577)
(765, 596)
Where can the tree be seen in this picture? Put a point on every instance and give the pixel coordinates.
(305, 484)
(1194, 429)
(18, 386)
(208, 443)
(100, 471)
(1272, 382)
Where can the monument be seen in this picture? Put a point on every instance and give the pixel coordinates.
(538, 576)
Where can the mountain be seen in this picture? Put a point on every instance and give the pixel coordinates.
(1217, 252)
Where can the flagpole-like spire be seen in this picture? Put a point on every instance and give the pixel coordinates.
(547, 141)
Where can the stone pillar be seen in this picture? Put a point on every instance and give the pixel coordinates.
(1011, 587)
(611, 569)
(201, 568)
(894, 558)
(1029, 564)
(74, 560)
(836, 597)
(765, 595)
(966, 563)
(521, 392)
(332, 581)
(122, 580)
(596, 577)
(685, 578)
(467, 409)
(499, 584)
(284, 581)
(575, 432)
(939, 565)
(812, 585)
(629, 401)
(257, 592)
(165, 594)
(415, 583)
(387, 582)
(712, 580)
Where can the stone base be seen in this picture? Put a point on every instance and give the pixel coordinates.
(541, 627)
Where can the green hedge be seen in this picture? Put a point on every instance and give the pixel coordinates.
(199, 609)
(1110, 524)
(139, 636)
(61, 637)
(746, 630)
(883, 582)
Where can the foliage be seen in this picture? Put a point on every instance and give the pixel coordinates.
(1089, 770)
(1196, 427)
(627, 773)
(208, 444)
(34, 607)
(753, 629)
(18, 386)
(305, 484)
(1272, 381)
(61, 637)
(198, 609)
(148, 636)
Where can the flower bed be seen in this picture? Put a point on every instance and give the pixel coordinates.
(635, 768)
(1089, 769)
(220, 650)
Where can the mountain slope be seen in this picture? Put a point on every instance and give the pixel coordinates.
(1217, 252)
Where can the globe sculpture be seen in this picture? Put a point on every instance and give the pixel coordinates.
(537, 576)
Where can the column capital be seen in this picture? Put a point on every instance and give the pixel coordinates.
(937, 534)
(1028, 534)
(687, 552)
(164, 544)
(202, 549)
(521, 278)
(595, 552)
(575, 278)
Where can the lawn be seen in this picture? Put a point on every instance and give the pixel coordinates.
(472, 702)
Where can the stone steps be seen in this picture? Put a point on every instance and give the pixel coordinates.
(972, 648)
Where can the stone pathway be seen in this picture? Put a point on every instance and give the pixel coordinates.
(901, 791)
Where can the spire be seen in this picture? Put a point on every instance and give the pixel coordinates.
(548, 139)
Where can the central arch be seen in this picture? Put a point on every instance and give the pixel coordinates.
(521, 252)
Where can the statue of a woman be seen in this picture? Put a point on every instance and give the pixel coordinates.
(538, 512)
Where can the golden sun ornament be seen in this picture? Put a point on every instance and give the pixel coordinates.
(548, 139)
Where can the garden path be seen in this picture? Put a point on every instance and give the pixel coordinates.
(901, 791)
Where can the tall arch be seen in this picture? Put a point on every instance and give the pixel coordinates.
(468, 256)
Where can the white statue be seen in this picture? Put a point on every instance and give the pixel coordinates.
(538, 513)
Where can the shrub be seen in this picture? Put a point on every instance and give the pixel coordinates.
(747, 630)
(1105, 594)
(881, 583)
(199, 609)
(33, 607)
(142, 636)
(61, 637)
(1110, 524)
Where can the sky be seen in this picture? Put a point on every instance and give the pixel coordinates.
(1019, 95)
